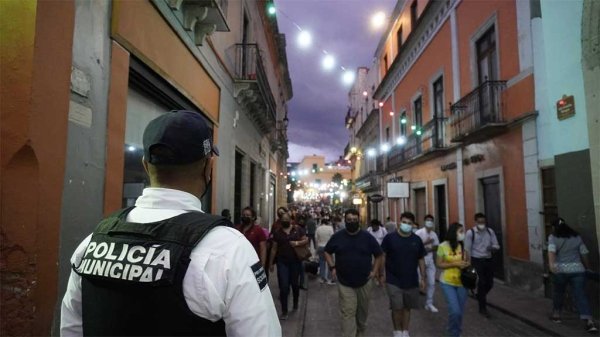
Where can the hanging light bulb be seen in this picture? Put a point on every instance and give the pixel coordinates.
(304, 39)
(328, 62)
(271, 9)
(348, 77)
(403, 120)
(401, 140)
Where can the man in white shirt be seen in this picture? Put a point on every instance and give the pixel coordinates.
(153, 284)
(431, 242)
(378, 231)
(322, 236)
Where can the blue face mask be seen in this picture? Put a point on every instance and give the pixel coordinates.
(405, 228)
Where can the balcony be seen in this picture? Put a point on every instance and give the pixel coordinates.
(417, 148)
(478, 115)
(252, 89)
(368, 182)
(279, 141)
(200, 17)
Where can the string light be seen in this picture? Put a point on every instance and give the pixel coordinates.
(328, 62)
(304, 39)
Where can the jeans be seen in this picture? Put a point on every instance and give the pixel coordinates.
(577, 281)
(430, 272)
(485, 271)
(287, 275)
(354, 308)
(323, 269)
(456, 298)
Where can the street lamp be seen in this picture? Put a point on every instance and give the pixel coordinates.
(378, 20)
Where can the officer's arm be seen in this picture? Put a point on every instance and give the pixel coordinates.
(70, 311)
(250, 310)
(71, 323)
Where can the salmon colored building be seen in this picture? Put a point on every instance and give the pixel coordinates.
(458, 96)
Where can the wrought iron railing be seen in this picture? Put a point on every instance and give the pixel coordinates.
(432, 137)
(480, 107)
(249, 67)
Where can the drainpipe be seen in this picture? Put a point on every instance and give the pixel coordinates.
(460, 189)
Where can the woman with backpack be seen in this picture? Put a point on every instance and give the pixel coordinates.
(452, 258)
(568, 261)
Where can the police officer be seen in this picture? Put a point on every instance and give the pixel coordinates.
(163, 267)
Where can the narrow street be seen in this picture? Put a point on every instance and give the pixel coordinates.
(514, 313)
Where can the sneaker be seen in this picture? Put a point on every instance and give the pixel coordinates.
(591, 327)
(431, 308)
(405, 333)
(321, 280)
(283, 317)
(331, 283)
(555, 319)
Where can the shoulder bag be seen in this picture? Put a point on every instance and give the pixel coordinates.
(468, 275)
(302, 252)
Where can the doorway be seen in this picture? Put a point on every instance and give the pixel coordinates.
(440, 210)
(493, 213)
(420, 204)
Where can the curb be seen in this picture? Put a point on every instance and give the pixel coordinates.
(525, 320)
(303, 306)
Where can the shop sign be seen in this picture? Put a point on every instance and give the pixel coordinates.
(565, 107)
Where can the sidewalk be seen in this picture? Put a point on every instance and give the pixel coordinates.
(534, 310)
(292, 327)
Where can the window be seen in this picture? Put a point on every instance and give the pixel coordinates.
(385, 62)
(315, 167)
(399, 38)
(418, 109)
(413, 15)
(403, 125)
(387, 134)
(487, 66)
(252, 184)
(318, 181)
(438, 98)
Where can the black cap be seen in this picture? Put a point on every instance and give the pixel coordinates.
(185, 133)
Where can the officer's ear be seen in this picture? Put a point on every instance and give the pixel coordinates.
(145, 164)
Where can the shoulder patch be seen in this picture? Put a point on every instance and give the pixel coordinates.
(260, 275)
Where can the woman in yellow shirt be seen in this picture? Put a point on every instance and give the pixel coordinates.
(451, 260)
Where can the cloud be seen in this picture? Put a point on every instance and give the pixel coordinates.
(297, 152)
(319, 105)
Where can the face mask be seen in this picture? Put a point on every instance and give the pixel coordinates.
(481, 226)
(429, 224)
(246, 220)
(286, 224)
(406, 228)
(352, 226)
(460, 236)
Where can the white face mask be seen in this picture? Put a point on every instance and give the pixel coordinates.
(429, 224)
(405, 228)
(481, 226)
(460, 236)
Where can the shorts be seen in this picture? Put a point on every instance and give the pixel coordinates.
(403, 298)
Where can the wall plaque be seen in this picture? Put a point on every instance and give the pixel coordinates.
(565, 107)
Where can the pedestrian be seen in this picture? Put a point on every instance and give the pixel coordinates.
(479, 243)
(338, 224)
(311, 227)
(390, 225)
(277, 224)
(322, 236)
(226, 213)
(377, 230)
(403, 254)
(176, 265)
(358, 260)
(568, 261)
(254, 233)
(451, 259)
(288, 263)
(431, 243)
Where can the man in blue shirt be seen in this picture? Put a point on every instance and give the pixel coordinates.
(403, 253)
(354, 250)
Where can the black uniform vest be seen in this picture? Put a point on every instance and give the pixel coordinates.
(132, 277)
